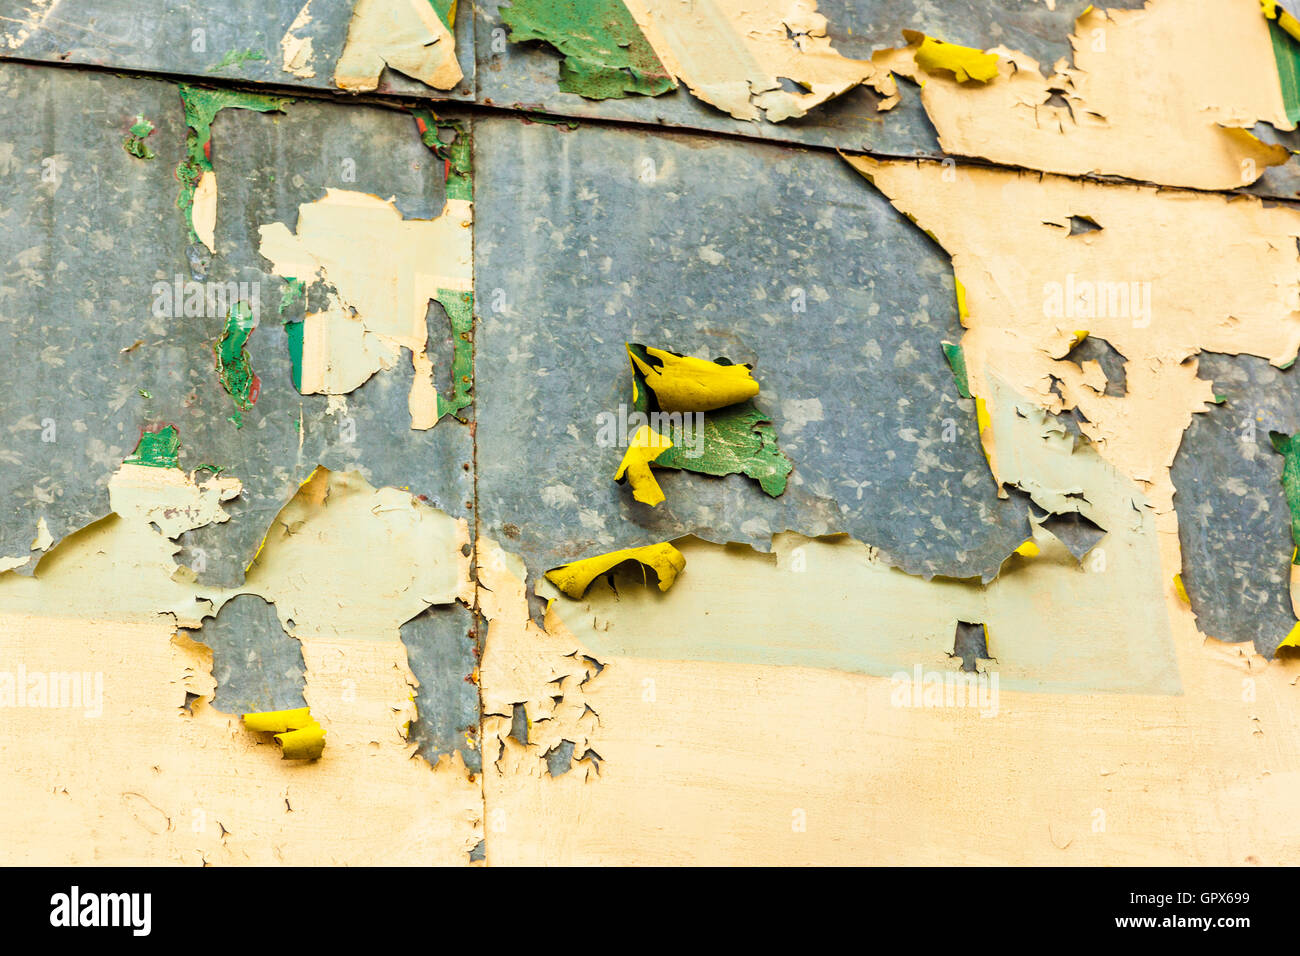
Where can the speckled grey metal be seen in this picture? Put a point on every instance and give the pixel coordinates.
(256, 665)
(1233, 519)
(442, 654)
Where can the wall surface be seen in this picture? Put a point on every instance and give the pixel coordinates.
(649, 431)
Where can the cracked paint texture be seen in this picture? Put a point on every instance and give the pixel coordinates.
(1025, 346)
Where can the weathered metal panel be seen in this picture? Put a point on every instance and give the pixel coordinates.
(593, 237)
(85, 248)
(233, 40)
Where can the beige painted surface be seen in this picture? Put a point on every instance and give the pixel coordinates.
(134, 776)
(1152, 95)
(386, 269)
(404, 35)
(1009, 237)
(707, 762)
(296, 51)
(732, 54)
(146, 781)
(203, 212)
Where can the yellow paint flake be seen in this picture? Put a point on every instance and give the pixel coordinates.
(646, 445)
(297, 733)
(1292, 639)
(574, 579)
(963, 313)
(1274, 11)
(685, 384)
(965, 63)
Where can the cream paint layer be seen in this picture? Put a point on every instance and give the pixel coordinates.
(753, 763)
(166, 783)
(1162, 94)
(296, 51)
(405, 35)
(733, 54)
(382, 300)
(1054, 623)
(1171, 272)
(148, 782)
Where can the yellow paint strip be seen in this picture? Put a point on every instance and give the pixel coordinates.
(965, 63)
(646, 445)
(574, 579)
(685, 384)
(963, 312)
(1274, 11)
(298, 734)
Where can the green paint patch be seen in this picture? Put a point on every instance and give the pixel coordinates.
(460, 310)
(158, 447)
(294, 289)
(1288, 446)
(1286, 52)
(546, 119)
(136, 135)
(605, 54)
(738, 439)
(446, 10)
(234, 368)
(236, 58)
(201, 109)
(449, 140)
(735, 440)
(454, 151)
(957, 362)
(294, 332)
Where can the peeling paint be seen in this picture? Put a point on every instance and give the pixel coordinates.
(197, 199)
(404, 35)
(380, 304)
(605, 55)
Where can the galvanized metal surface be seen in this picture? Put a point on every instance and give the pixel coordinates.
(256, 665)
(1233, 518)
(716, 245)
(160, 37)
(442, 650)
